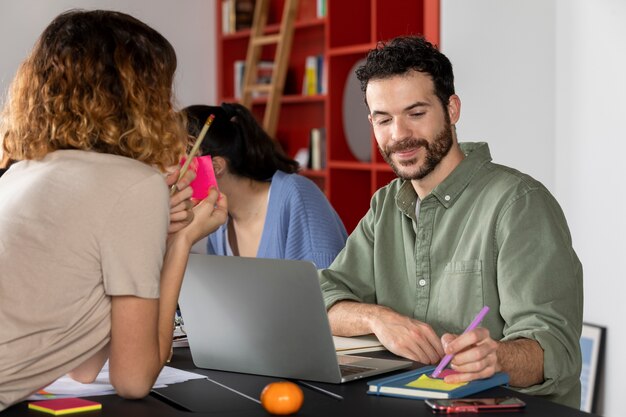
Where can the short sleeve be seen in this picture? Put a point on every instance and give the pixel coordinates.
(346, 279)
(133, 240)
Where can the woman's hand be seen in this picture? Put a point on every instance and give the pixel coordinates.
(181, 206)
(208, 215)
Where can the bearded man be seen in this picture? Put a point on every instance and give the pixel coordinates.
(452, 233)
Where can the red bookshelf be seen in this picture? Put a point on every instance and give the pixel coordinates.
(343, 36)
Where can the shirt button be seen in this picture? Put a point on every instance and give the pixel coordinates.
(447, 198)
(422, 282)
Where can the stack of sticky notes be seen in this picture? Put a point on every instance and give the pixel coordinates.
(205, 176)
(63, 406)
(424, 381)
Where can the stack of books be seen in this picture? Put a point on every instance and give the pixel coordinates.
(264, 75)
(237, 15)
(314, 76)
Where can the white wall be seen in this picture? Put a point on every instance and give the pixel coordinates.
(189, 25)
(543, 81)
(502, 53)
(591, 143)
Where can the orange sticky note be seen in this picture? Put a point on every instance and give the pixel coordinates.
(63, 406)
(424, 381)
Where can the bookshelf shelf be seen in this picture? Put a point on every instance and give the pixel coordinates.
(349, 165)
(291, 98)
(350, 50)
(274, 28)
(341, 38)
(314, 173)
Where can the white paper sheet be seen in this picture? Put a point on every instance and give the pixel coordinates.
(67, 387)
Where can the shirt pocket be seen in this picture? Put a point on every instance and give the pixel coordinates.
(460, 295)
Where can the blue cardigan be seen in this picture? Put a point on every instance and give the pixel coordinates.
(300, 224)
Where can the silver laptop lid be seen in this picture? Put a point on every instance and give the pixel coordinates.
(259, 316)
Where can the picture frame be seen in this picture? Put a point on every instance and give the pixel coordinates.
(592, 342)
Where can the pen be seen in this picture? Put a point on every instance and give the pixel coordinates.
(446, 359)
(193, 151)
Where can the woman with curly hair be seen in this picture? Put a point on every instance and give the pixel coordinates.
(89, 271)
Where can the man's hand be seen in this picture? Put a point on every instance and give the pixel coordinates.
(401, 335)
(181, 206)
(407, 337)
(474, 355)
(477, 355)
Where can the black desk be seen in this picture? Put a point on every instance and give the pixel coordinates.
(216, 397)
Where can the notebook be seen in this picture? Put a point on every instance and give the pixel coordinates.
(265, 317)
(420, 384)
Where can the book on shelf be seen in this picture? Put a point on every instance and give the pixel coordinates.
(317, 148)
(264, 75)
(322, 76)
(314, 77)
(420, 385)
(320, 8)
(237, 15)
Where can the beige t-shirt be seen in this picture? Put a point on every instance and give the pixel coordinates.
(75, 229)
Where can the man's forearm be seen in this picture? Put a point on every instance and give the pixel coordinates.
(522, 359)
(349, 318)
(401, 335)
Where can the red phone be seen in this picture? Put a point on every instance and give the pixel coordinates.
(476, 405)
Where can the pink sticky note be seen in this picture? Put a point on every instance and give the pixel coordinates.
(205, 176)
(447, 372)
(64, 406)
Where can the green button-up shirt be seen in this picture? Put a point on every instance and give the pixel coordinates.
(487, 235)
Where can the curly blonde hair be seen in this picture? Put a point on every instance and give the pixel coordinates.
(97, 81)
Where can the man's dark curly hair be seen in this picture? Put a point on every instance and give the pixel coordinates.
(406, 53)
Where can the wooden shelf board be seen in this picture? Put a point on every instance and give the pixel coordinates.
(350, 50)
(274, 28)
(290, 98)
(352, 165)
(314, 173)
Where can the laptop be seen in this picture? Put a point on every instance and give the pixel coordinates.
(265, 317)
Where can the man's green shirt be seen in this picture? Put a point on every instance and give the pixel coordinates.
(487, 235)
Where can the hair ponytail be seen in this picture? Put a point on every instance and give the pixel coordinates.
(236, 136)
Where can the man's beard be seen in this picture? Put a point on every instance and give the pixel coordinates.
(435, 152)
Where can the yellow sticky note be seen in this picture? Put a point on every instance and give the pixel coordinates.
(433, 383)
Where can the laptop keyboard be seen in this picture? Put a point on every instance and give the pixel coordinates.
(347, 370)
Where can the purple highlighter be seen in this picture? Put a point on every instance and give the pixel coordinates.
(446, 359)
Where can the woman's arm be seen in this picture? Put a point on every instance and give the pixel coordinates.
(141, 329)
(88, 371)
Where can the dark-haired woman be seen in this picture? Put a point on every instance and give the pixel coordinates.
(273, 211)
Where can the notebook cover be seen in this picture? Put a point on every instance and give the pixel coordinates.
(396, 385)
(63, 406)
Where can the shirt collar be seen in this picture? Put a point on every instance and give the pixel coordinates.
(477, 154)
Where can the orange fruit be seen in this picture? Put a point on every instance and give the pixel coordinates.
(282, 398)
